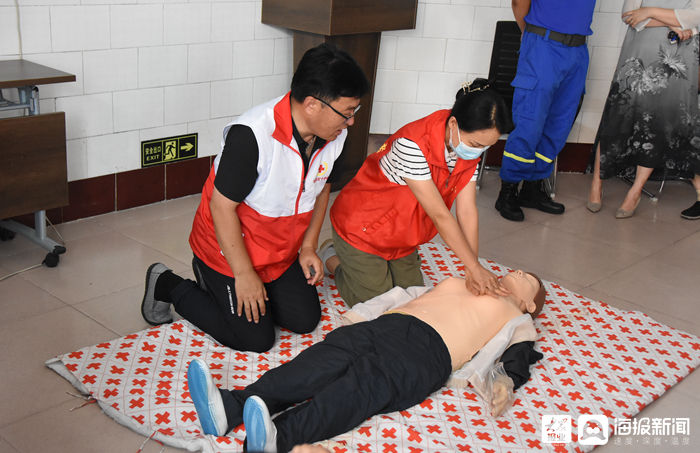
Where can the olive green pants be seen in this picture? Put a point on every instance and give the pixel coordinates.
(361, 276)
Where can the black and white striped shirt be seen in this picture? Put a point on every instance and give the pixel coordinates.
(406, 160)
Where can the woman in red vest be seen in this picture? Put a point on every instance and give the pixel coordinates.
(402, 197)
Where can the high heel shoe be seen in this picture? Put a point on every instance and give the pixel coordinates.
(623, 214)
(595, 206)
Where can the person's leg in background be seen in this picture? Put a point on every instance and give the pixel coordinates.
(569, 68)
(360, 276)
(531, 100)
(693, 212)
(595, 194)
(634, 194)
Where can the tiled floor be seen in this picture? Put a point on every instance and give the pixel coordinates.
(647, 263)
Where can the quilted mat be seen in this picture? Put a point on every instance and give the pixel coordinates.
(597, 360)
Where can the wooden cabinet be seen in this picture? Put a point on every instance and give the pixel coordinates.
(354, 26)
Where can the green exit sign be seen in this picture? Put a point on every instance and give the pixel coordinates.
(170, 149)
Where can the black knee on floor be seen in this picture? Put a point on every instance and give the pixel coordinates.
(262, 342)
(304, 325)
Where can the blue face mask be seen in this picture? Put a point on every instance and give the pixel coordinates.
(467, 152)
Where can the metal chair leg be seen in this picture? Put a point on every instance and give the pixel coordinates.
(480, 169)
(551, 182)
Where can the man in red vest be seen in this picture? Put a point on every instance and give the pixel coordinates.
(256, 229)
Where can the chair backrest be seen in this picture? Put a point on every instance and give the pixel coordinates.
(504, 58)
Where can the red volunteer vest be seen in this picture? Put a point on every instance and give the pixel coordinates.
(385, 219)
(277, 212)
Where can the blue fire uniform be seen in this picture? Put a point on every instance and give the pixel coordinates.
(549, 84)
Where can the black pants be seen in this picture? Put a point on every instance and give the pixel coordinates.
(293, 304)
(380, 366)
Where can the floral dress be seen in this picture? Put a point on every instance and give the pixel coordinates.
(651, 115)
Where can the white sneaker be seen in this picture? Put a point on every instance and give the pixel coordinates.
(207, 399)
(261, 433)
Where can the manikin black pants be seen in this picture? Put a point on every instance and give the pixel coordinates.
(380, 366)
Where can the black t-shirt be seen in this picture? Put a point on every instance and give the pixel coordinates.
(238, 166)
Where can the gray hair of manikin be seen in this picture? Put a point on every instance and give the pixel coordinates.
(539, 297)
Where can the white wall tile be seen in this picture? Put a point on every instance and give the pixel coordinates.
(210, 133)
(387, 52)
(161, 132)
(43, 2)
(438, 87)
(502, 3)
(253, 58)
(603, 62)
(284, 53)
(207, 62)
(162, 66)
(610, 6)
(47, 105)
(87, 115)
(36, 29)
(231, 97)
(485, 22)
(448, 21)
(268, 87)
(468, 56)
(395, 86)
(76, 159)
(110, 70)
(608, 29)
(380, 122)
(186, 23)
(79, 28)
(233, 21)
(419, 54)
(138, 109)
(113, 153)
(186, 103)
(575, 131)
(402, 114)
(9, 40)
(596, 94)
(70, 62)
(263, 31)
(589, 126)
(136, 25)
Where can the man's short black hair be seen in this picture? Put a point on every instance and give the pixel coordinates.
(328, 73)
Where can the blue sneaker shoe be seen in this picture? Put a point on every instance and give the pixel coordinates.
(261, 433)
(207, 399)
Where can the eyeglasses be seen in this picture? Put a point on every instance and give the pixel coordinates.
(345, 117)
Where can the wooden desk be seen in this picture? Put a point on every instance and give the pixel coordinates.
(33, 174)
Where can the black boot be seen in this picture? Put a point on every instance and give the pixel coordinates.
(507, 203)
(534, 195)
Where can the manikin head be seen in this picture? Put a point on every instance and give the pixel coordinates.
(526, 290)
